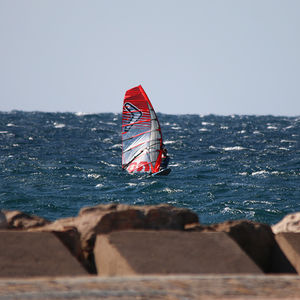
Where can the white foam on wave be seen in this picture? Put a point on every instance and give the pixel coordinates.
(207, 123)
(242, 131)
(81, 114)
(288, 141)
(260, 173)
(59, 125)
(271, 127)
(10, 125)
(3, 132)
(243, 173)
(169, 190)
(93, 175)
(257, 132)
(117, 146)
(174, 165)
(203, 129)
(107, 140)
(235, 148)
(169, 142)
(108, 164)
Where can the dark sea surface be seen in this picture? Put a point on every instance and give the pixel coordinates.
(223, 167)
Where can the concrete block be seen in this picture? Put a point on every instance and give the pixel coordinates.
(26, 254)
(168, 252)
(289, 243)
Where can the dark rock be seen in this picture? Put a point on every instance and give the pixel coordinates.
(3, 221)
(19, 220)
(289, 243)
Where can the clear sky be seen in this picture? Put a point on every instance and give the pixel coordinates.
(194, 56)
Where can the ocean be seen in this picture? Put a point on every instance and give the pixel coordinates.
(223, 167)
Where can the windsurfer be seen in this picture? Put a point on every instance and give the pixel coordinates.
(165, 158)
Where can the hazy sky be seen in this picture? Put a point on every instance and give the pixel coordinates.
(213, 56)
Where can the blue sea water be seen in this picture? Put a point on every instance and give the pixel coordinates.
(223, 167)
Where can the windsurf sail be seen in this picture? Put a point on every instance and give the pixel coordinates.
(141, 134)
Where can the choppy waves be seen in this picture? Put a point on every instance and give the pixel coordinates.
(223, 167)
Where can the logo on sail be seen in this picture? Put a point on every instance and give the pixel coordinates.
(135, 115)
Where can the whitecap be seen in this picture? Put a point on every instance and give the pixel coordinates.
(169, 190)
(176, 128)
(59, 125)
(235, 148)
(3, 132)
(243, 173)
(256, 132)
(227, 209)
(108, 164)
(207, 123)
(10, 125)
(203, 129)
(271, 127)
(169, 142)
(80, 114)
(275, 173)
(174, 165)
(95, 176)
(99, 185)
(107, 140)
(258, 173)
(288, 141)
(224, 127)
(117, 146)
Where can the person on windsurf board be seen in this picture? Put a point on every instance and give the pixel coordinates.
(165, 158)
(142, 143)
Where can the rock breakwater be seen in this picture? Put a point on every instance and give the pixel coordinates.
(118, 240)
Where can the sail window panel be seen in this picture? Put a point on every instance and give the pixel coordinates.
(130, 155)
(132, 143)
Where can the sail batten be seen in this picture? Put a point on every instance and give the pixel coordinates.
(141, 133)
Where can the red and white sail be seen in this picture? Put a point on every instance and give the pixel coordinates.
(141, 134)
